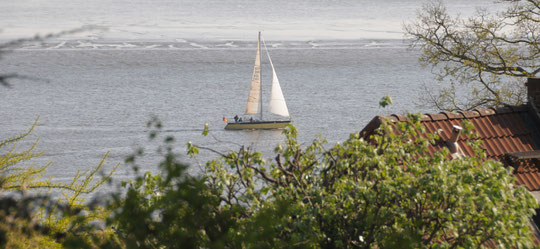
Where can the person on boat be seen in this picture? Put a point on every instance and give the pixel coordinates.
(236, 118)
(240, 120)
(251, 119)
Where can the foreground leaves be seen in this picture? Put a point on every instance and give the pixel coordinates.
(390, 192)
(383, 191)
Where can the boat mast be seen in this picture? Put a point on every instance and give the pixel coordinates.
(260, 75)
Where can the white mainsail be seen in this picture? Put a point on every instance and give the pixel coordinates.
(277, 101)
(255, 92)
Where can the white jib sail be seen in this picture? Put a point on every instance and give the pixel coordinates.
(255, 91)
(277, 101)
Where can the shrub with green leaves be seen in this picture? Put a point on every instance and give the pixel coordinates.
(29, 216)
(389, 192)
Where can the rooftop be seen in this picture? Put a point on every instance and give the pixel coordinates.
(510, 135)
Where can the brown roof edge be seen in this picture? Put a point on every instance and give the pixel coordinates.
(452, 115)
(371, 126)
(469, 114)
(400, 118)
(377, 120)
(503, 109)
(435, 116)
(485, 112)
(510, 109)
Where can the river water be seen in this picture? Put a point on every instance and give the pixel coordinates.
(191, 65)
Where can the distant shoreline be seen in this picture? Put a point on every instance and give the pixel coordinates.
(183, 44)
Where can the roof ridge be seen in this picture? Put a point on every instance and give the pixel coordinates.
(503, 130)
(460, 114)
(509, 108)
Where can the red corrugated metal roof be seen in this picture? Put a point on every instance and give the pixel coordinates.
(504, 130)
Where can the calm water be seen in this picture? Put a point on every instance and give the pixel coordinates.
(100, 100)
(190, 63)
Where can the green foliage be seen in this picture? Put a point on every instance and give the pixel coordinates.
(488, 56)
(385, 101)
(15, 177)
(168, 210)
(205, 131)
(386, 193)
(57, 217)
(72, 196)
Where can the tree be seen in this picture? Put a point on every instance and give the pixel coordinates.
(17, 177)
(35, 218)
(389, 192)
(28, 217)
(170, 210)
(484, 58)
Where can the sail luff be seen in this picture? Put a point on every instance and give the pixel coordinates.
(254, 97)
(277, 100)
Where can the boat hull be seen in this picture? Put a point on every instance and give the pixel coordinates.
(257, 125)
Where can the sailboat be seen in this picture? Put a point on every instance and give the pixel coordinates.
(254, 106)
